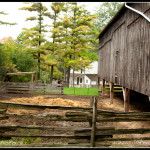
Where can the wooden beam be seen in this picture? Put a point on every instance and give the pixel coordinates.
(93, 131)
(111, 92)
(103, 87)
(98, 84)
(32, 78)
(91, 105)
(35, 77)
(126, 96)
(41, 107)
(20, 73)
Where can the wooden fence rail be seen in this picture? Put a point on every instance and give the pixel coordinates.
(92, 136)
(31, 88)
(79, 136)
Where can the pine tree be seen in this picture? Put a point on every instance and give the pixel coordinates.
(5, 23)
(76, 54)
(35, 35)
(56, 9)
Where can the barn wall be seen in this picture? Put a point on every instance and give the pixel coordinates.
(124, 55)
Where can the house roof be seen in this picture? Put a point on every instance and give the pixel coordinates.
(75, 74)
(92, 77)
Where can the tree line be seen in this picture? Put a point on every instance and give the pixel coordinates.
(71, 43)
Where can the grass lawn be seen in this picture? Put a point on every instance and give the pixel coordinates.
(80, 91)
(86, 91)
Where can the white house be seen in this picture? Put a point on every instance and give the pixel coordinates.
(88, 78)
(83, 80)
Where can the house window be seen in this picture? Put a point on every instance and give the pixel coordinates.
(86, 81)
(80, 80)
(77, 80)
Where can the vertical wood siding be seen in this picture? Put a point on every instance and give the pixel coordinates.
(124, 50)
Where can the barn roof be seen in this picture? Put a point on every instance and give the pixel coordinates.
(113, 20)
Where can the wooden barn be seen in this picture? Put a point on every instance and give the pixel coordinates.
(124, 50)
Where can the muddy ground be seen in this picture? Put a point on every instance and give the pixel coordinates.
(138, 103)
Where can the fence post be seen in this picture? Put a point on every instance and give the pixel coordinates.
(111, 92)
(93, 130)
(91, 105)
(126, 95)
(98, 84)
(61, 89)
(44, 86)
(88, 92)
(103, 87)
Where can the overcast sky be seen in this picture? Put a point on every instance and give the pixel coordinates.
(19, 16)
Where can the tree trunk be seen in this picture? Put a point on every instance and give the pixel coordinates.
(39, 42)
(73, 42)
(51, 78)
(68, 77)
(65, 74)
(39, 66)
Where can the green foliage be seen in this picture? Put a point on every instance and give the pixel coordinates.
(35, 36)
(72, 34)
(6, 65)
(5, 23)
(15, 58)
(28, 140)
(105, 12)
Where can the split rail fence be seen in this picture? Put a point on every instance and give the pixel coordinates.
(79, 136)
(32, 88)
(93, 136)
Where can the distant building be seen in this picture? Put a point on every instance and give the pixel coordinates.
(87, 78)
(83, 80)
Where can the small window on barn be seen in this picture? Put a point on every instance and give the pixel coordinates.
(86, 81)
(80, 80)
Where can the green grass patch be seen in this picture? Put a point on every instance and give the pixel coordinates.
(80, 91)
(116, 89)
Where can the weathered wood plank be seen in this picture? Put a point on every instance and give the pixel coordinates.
(109, 112)
(103, 87)
(126, 99)
(93, 131)
(45, 135)
(111, 92)
(51, 128)
(42, 107)
(122, 119)
(65, 145)
(2, 111)
(129, 39)
(123, 131)
(123, 139)
(51, 117)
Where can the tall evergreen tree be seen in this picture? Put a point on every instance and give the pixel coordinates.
(5, 23)
(56, 9)
(35, 35)
(76, 54)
